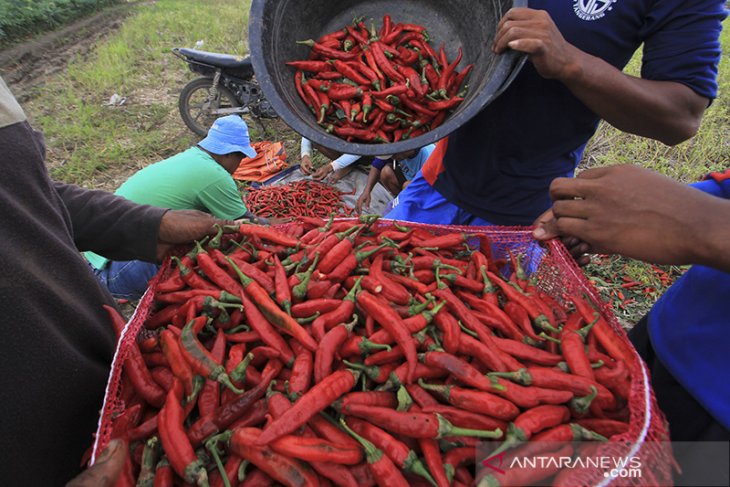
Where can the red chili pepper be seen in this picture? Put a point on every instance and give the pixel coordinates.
(519, 316)
(533, 310)
(312, 98)
(191, 278)
(328, 346)
(301, 372)
(414, 424)
(126, 421)
(390, 321)
(253, 272)
(551, 378)
(384, 63)
(446, 75)
(164, 475)
(177, 362)
(377, 374)
(135, 368)
(265, 330)
(216, 274)
(573, 347)
(177, 447)
(526, 352)
(328, 430)
(492, 315)
(210, 395)
(469, 320)
(200, 358)
(339, 315)
(349, 72)
(531, 422)
(382, 467)
(311, 66)
(308, 308)
(403, 456)
(177, 297)
(475, 401)
(604, 427)
(328, 52)
(312, 402)
(272, 311)
(231, 411)
(393, 34)
(369, 398)
(609, 340)
(464, 418)
(430, 75)
(268, 234)
(281, 468)
(456, 81)
(312, 449)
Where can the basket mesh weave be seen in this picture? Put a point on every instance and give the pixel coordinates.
(558, 276)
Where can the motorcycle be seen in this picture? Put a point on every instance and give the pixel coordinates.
(227, 86)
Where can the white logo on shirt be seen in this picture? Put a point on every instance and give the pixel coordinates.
(592, 9)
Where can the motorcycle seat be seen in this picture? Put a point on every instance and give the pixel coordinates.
(224, 61)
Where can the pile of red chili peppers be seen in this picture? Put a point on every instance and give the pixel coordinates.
(356, 353)
(379, 86)
(300, 198)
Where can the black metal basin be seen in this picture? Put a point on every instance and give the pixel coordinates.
(276, 25)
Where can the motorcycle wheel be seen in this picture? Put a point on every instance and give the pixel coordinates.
(195, 108)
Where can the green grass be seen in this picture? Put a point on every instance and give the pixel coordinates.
(708, 151)
(85, 137)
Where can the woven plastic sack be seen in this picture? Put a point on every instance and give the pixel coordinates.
(270, 159)
(558, 276)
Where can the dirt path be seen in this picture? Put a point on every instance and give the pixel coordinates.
(26, 65)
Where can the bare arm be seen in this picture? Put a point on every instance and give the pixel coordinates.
(364, 199)
(663, 110)
(641, 214)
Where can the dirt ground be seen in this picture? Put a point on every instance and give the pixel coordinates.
(25, 66)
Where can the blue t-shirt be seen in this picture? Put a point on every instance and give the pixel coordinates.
(689, 329)
(410, 167)
(500, 164)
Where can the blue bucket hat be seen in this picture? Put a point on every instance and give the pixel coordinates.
(227, 135)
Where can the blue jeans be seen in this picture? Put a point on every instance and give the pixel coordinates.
(127, 279)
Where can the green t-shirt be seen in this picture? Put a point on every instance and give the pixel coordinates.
(191, 180)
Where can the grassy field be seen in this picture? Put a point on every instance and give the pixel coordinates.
(96, 145)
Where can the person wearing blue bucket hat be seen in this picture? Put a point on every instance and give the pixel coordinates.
(199, 178)
(228, 135)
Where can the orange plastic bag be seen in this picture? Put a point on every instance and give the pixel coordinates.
(270, 159)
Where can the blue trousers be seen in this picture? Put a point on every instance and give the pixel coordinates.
(127, 279)
(421, 203)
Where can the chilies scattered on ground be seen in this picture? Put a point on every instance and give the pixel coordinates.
(379, 85)
(357, 352)
(297, 199)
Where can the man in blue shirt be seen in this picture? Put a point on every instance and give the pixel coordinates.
(684, 338)
(395, 178)
(496, 169)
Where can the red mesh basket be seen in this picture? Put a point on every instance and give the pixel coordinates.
(558, 276)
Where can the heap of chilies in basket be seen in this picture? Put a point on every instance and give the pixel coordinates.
(379, 86)
(356, 353)
(300, 198)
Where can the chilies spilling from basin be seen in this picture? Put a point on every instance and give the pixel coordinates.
(379, 85)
